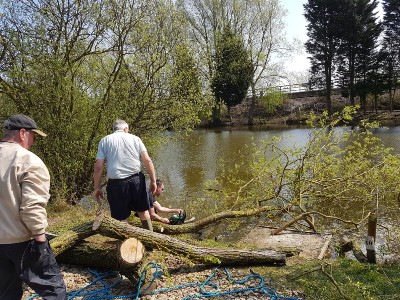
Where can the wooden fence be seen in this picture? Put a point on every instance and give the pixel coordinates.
(296, 90)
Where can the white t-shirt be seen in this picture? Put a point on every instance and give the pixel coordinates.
(121, 151)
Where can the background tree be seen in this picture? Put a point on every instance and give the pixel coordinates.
(391, 47)
(76, 66)
(260, 25)
(186, 91)
(375, 84)
(233, 71)
(206, 19)
(323, 30)
(358, 42)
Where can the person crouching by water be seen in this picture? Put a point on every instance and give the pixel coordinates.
(126, 185)
(25, 253)
(156, 207)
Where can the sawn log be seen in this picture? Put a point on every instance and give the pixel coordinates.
(104, 253)
(207, 255)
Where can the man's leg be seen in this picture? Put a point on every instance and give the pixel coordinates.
(145, 219)
(41, 272)
(119, 200)
(10, 284)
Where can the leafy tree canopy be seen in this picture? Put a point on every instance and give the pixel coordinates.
(233, 71)
(76, 66)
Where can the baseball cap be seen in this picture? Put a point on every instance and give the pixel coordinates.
(19, 121)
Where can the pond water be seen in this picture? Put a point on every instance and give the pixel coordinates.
(187, 163)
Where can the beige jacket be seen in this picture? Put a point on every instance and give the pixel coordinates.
(24, 193)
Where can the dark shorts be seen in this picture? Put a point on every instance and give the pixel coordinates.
(126, 195)
(33, 263)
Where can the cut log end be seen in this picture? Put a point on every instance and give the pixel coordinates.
(132, 250)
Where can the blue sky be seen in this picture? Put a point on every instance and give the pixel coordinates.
(295, 21)
(296, 28)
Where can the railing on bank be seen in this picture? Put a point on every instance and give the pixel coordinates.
(291, 88)
(297, 88)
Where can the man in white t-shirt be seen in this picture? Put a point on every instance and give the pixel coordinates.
(126, 185)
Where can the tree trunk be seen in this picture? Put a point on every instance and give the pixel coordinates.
(328, 83)
(212, 219)
(250, 119)
(210, 256)
(68, 239)
(104, 253)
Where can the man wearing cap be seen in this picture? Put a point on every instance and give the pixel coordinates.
(25, 253)
(126, 186)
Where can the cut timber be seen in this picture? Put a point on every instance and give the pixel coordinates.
(357, 252)
(132, 251)
(211, 256)
(324, 248)
(349, 245)
(107, 254)
(104, 253)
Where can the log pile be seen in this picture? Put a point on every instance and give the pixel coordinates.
(113, 245)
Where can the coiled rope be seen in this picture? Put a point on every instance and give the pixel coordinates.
(207, 289)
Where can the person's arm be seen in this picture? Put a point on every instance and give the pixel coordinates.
(35, 194)
(162, 209)
(97, 173)
(150, 170)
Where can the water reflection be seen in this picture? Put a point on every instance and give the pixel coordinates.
(187, 163)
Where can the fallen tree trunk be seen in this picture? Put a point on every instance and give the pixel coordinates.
(349, 245)
(212, 219)
(68, 239)
(211, 256)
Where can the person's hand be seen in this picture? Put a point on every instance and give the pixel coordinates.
(98, 195)
(153, 187)
(40, 238)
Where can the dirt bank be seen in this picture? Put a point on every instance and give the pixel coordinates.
(297, 110)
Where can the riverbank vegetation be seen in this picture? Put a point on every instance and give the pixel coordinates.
(342, 177)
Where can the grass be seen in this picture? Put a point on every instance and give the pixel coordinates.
(315, 279)
(336, 279)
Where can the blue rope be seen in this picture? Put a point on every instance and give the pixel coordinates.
(207, 288)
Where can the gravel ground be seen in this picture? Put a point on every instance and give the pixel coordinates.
(178, 274)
